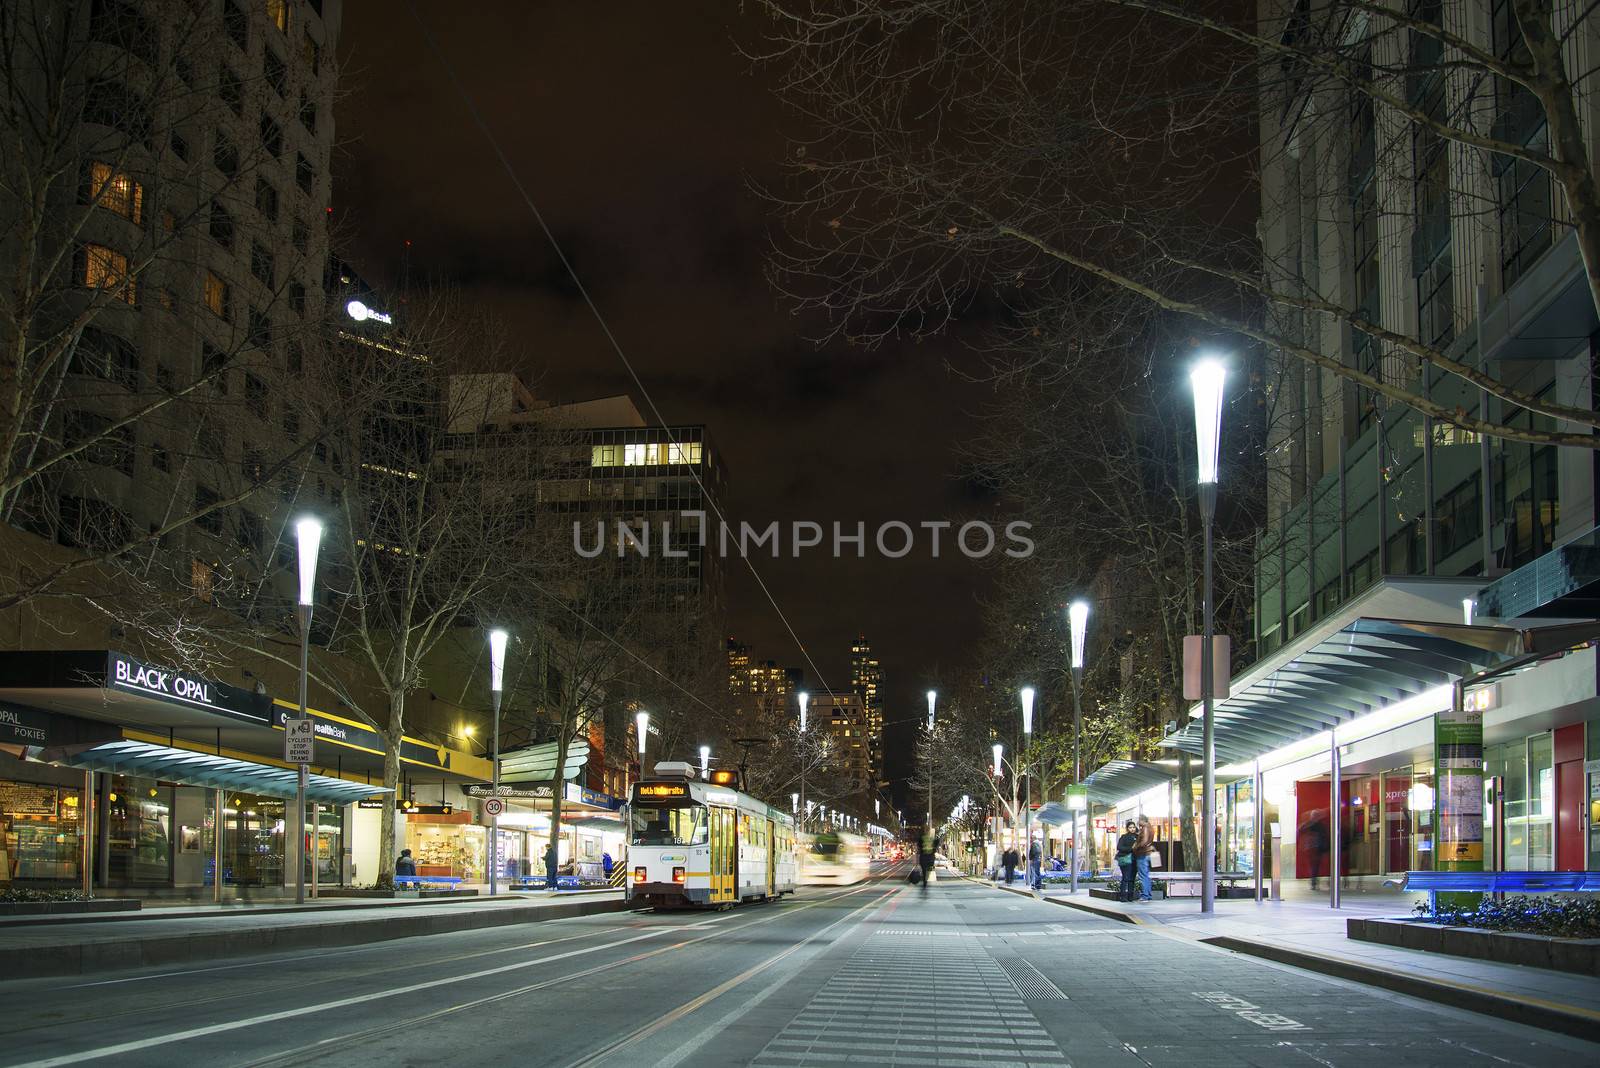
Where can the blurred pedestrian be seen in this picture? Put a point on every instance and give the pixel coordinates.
(1035, 855)
(1125, 844)
(1008, 861)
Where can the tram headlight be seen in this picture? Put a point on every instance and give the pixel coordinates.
(677, 875)
(639, 874)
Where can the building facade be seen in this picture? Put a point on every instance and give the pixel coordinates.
(842, 716)
(866, 679)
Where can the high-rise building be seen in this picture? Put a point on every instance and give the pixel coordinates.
(199, 222)
(843, 716)
(866, 679)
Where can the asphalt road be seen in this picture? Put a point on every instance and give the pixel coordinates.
(880, 973)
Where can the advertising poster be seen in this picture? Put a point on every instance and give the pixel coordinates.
(1458, 745)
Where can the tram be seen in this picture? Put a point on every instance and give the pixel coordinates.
(836, 858)
(701, 844)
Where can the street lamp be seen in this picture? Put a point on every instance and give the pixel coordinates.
(1027, 795)
(641, 720)
(1206, 381)
(999, 750)
(308, 534)
(1469, 608)
(497, 674)
(933, 697)
(805, 701)
(794, 803)
(705, 762)
(1078, 619)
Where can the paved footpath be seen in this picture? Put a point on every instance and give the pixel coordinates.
(959, 975)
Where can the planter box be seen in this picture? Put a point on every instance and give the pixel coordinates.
(59, 908)
(1580, 956)
(396, 895)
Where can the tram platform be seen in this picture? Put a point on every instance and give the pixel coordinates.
(84, 944)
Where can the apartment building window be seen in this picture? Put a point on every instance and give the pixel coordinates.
(266, 200)
(180, 146)
(260, 329)
(276, 72)
(278, 14)
(1459, 518)
(202, 578)
(221, 226)
(100, 267)
(255, 390)
(105, 356)
(103, 445)
(300, 237)
(261, 264)
(120, 24)
(1528, 504)
(214, 292)
(305, 176)
(308, 114)
(86, 523)
(160, 459)
(249, 533)
(166, 381)
(206, 501)
(214, 366)
(236, 24)
(114, 105)
(230, 89)
(225, 155)
(293, 357)
(311, 54)
(271, 136)
(297, 299)
(115, 191)
(1431, 260)
(291, 424)
(1522, 190)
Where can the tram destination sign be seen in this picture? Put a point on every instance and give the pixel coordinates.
(660, 789)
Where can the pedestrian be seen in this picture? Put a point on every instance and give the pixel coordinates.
(606, 864)
(1035, 854)
(1125, 843)
(1009, 861)
(552, 863)
(1315, 836)
(925, 855)
(405, 865)
(1141, 855)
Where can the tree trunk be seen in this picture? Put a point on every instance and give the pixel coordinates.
(558, 779)
(387, 853)
(1190, 840)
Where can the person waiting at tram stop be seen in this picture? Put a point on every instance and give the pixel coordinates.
(1035, 856)
(1125, 845)
(552, 862)
(404, 865)
(1141, 855)
(1008, 864)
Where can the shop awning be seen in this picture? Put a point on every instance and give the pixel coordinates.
(1367, 665)
(1054, 813)
(595, 823)
(203, 769)
(1118, 780)
(534, 763)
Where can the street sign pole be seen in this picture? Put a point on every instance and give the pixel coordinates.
(299, 742)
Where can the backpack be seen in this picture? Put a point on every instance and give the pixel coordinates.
(915, 877)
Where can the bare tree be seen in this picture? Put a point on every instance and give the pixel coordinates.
(1107, 155)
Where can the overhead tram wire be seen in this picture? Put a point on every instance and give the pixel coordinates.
(605, 327)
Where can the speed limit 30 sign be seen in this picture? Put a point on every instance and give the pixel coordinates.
(493, 806)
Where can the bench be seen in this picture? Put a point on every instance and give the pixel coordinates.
(539, 882)
(1434, 883)
(426, 880)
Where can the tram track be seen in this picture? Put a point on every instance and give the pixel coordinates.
(637, 931)
(323, 1047)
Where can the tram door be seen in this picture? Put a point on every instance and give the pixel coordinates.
(772, 857)
(724, 848)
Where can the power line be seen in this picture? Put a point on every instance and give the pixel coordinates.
(605, 327)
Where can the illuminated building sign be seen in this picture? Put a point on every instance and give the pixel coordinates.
(128, 675)
(361, 313)
(1481, 699)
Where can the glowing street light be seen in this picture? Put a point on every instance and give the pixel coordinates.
(998, 750)
(1078, 621)
(497, 674)
(705, 762)
(308, 536)
(641, 720)
(1206, 381)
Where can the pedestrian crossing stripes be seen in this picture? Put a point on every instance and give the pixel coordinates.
(915, 1002)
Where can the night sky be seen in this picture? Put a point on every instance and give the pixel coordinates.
(638, 129)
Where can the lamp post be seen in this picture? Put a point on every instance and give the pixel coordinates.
(1078, 618)
(705, 762)
(1206, 381)
(805, 700)
(308, 534)
(641, 721)
(1027, 787)
(497, 671)
(933, 697)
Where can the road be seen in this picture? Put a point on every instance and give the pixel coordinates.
(880, 973)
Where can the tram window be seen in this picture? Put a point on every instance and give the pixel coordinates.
(675, 825)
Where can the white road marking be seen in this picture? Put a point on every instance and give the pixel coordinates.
(1270, 1021)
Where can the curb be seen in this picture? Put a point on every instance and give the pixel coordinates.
(32, 962)
(1546, 1015)
(345, 904)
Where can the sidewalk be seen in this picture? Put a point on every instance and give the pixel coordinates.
(1310, 935)
(31, 947)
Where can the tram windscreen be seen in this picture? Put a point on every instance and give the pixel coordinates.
(669, 825)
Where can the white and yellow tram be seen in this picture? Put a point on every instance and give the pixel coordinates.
(694, 843)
